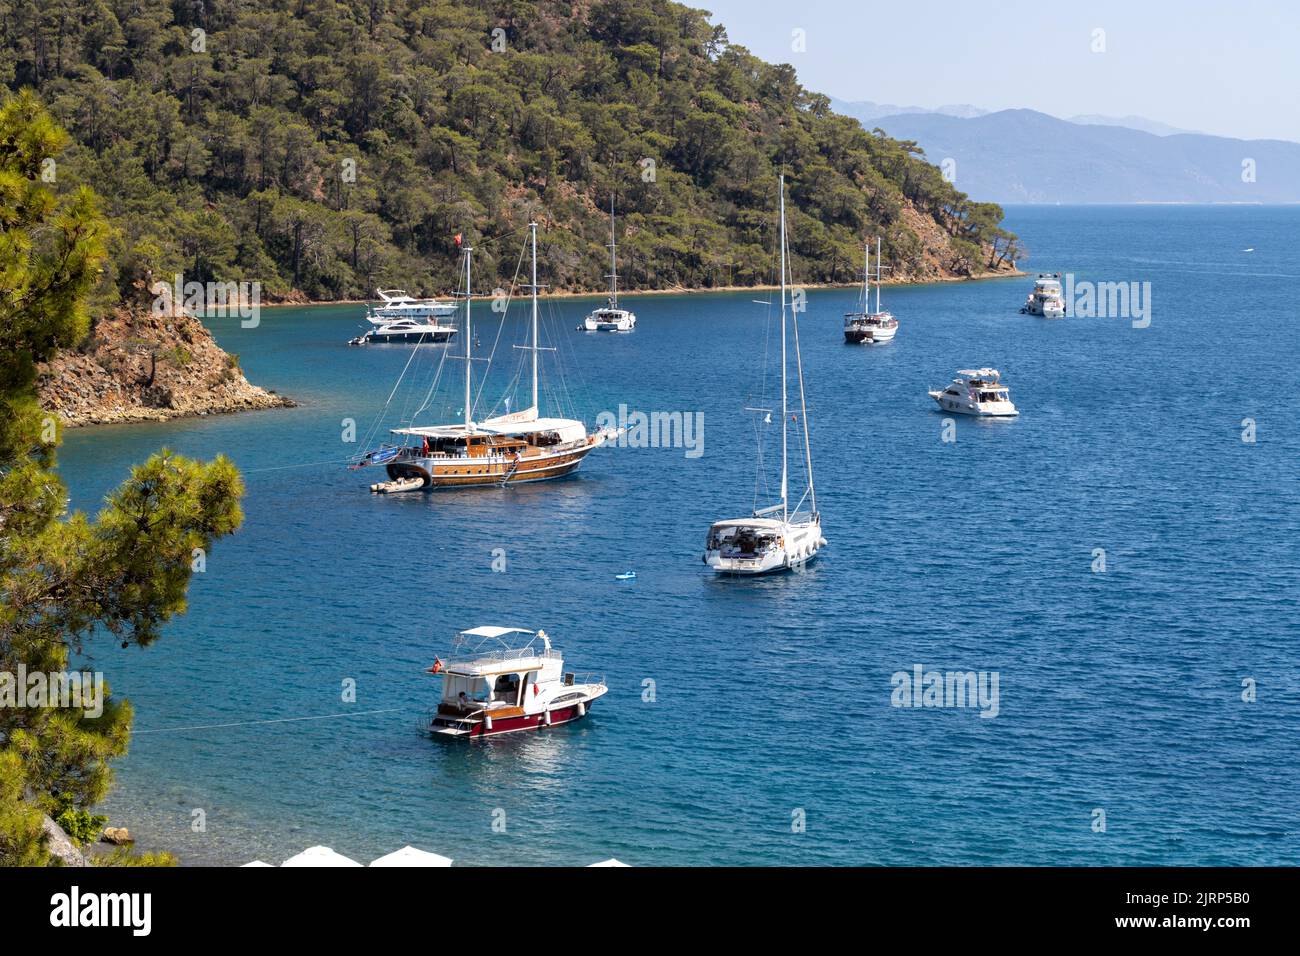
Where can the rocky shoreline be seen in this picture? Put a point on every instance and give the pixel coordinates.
(138, 366)
(1007, 273)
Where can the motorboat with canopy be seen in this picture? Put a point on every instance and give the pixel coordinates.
(500, 680)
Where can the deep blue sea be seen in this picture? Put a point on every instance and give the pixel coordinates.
(1120, 691)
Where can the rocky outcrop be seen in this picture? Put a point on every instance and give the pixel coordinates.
(140, 366)
(61, 846)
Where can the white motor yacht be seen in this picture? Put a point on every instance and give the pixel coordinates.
(1046, 299)
(979, 392)
(402, 318)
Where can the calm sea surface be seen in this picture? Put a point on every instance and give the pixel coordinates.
(1119, 691)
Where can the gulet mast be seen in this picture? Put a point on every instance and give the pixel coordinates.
(532, 228)
(469, 340)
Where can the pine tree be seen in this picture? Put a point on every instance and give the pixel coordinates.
(66, 579)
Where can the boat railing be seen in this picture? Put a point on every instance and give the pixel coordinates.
(573, 678)
(505, 655)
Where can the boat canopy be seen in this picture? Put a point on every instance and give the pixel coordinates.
(567, 428)
(510, 657)
(988, 373)
(767, 524)
(489, 631)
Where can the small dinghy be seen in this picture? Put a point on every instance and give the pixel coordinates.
(626, 576)
(396, 485)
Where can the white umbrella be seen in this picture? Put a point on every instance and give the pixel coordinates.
(256, 863)
(410, 856)
(319, 856)
(610, 862)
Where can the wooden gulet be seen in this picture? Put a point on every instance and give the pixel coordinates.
(510, 449)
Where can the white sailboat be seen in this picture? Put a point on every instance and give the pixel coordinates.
(508, 449)
(867, 327)
(609, 317)
(779, 537)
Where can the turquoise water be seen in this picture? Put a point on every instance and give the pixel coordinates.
(1118, 690)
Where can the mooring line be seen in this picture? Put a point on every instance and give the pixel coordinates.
(275, 720)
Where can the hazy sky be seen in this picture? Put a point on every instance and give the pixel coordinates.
(1229, 68)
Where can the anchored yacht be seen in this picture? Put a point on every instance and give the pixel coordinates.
(978, 392)
(402, 318)
(609, 317)
(504, 679)
(779, 537)
(505, 449)
(867, 327)
(1046, 299)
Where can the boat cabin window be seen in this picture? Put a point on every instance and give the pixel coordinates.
(741, 540)
(467, 691)
(447, 446)
(506, 689)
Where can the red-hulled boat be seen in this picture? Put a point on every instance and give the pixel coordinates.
(505, 679)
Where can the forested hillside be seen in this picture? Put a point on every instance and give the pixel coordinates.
(326, 147)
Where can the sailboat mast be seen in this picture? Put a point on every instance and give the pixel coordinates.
(803, 413)
(785, 411)
(469, 338)
(866, 276)
(532, 226)
(613, 259)
(877, 273)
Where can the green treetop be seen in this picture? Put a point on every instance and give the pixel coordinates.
(68, 580)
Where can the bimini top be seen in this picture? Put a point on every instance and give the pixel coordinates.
(488, 631)
(988, 374)
(766, 524)
(567, 428)
(484, 661)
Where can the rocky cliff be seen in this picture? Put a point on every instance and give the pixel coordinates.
(138, 366)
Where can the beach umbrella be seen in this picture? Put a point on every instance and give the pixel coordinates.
(410, 856)
(256, 863)
(610, 862)
(319, 856)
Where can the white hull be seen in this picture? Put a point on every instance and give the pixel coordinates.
(592, 324)
(432, 333)
(1046, 311)
(974, 409)
(801, 544)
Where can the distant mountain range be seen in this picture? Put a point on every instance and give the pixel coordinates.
(865, 111)
(1025, 156)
